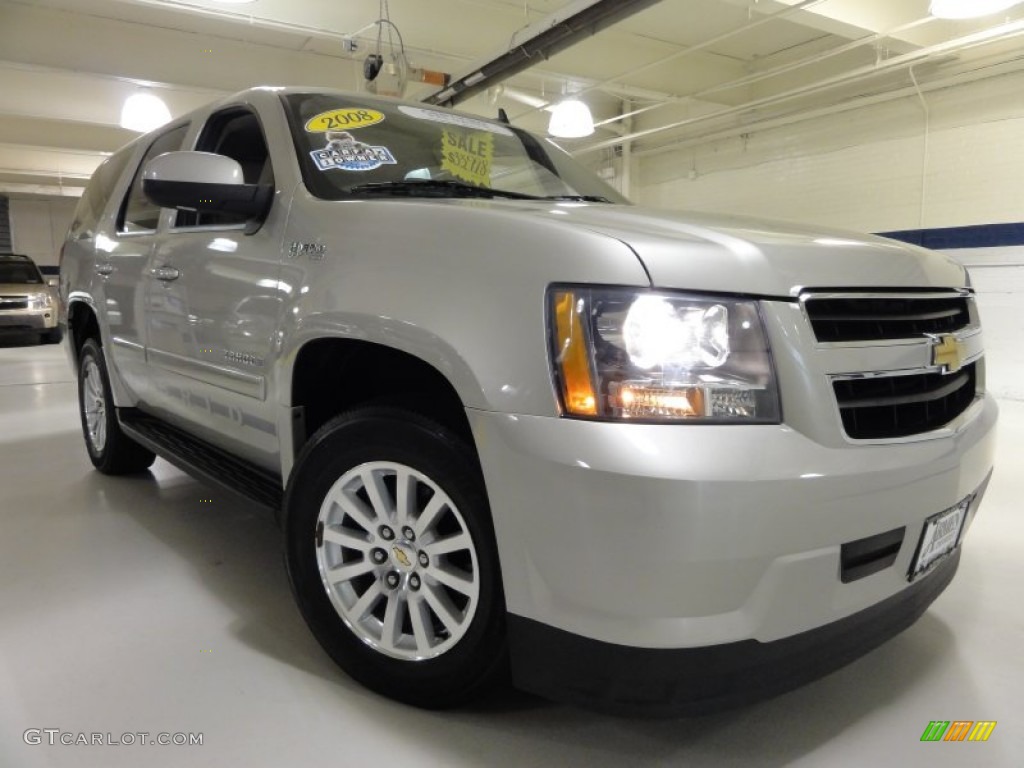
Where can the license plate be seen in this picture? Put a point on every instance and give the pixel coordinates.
(940, 536)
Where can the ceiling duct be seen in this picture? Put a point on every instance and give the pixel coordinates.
(541, 40)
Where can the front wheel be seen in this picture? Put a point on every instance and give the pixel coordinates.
(392, 558)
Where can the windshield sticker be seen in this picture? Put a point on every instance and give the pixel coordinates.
(449, 118)
(468, 156)
(344, 153)
(343, 120)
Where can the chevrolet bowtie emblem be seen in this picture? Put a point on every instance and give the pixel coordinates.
(947, 353)
(401, 557)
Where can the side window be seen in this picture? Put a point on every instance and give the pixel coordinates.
(97, 193)
(236, 133)
(138, 214)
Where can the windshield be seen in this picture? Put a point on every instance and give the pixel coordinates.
(19, 272)
(349, 146)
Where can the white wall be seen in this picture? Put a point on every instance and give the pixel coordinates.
(998, 278)
(873, 169)
(38, 227)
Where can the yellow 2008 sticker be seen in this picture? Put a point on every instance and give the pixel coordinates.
(468, 155)
(343, 119)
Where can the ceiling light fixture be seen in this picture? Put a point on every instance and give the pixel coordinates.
(571, 119)
(143, 112)
(968, 9)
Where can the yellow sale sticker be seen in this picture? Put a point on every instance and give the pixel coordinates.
(468, 156)
(343, 120)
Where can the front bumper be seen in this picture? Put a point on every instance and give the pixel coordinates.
(28, 320)
(695, 681)
(668, 537)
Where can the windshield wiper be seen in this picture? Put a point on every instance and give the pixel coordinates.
(434, 188)
(579, 198)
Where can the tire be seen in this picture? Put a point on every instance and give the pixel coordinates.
(409, 604)
(111, 451)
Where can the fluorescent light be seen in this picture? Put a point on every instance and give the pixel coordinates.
(571, 119)
(969, 9)
(143, 112)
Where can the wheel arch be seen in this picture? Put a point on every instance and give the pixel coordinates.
(83, 324)
(332, 375)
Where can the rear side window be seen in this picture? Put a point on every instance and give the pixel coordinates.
(94, 200)
(138, 214)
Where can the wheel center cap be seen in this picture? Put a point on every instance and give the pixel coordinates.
(403, 556)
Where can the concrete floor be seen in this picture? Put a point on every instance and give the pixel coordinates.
(136, 605)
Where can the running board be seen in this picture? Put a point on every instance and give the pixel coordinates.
(202, 460)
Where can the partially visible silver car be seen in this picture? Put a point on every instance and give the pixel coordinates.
(27, 303)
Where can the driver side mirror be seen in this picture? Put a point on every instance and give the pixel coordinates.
(203, 182)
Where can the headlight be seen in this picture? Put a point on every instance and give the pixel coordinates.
(660, 356)
(40, 301)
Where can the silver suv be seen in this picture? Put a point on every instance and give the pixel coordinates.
(514, 426)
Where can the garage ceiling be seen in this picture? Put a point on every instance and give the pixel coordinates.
(677, 73)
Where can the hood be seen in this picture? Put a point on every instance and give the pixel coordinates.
(709, 252)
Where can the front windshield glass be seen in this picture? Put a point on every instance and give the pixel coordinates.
(349, 146)
(19, 273)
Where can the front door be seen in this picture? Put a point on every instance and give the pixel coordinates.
(214, 306)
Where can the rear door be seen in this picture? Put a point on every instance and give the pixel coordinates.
(121, 261)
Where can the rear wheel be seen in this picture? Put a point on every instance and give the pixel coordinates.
(110, 450)
(392, 558)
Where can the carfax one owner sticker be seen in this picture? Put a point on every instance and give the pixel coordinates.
(343, 151)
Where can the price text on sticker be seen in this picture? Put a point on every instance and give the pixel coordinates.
(343, 120)
(468, 156)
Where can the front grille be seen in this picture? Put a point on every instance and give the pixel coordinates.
(898, 406)
(885, 317)
(13, 302)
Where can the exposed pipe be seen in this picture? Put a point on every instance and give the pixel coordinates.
(543, 39)
(927, 136)
(775, 71)
(495, 92)
(626, 177)
(995, 34)
(801, 6)
(834, 109)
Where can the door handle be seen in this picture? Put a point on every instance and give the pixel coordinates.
(167, 274)
(103, 270)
